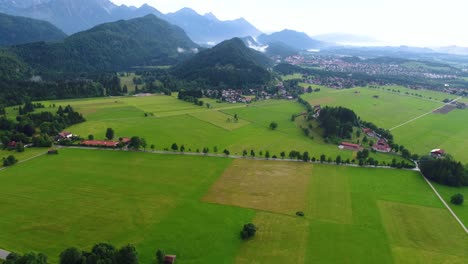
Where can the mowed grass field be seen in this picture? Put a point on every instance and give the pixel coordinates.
(196, 127)
(446, 131)
(387, 111)
(195, 207)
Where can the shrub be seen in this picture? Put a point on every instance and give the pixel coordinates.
(457, 199)
(300, 213)
(248, 231)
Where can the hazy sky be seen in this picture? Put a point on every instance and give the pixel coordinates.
(396, 22)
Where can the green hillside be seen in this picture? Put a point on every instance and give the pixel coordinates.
(19, 30)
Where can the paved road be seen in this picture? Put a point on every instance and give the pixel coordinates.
(4, 254)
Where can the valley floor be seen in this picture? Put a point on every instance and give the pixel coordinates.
(195, 206)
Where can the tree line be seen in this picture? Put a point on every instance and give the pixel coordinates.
(101, 253)
(445, 171)
(37, 128)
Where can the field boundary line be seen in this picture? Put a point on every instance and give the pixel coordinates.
(423, 115)
(445, 203)
(222, 156)
(22, 161)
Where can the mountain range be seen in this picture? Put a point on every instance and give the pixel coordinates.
(73, 16)
(111, 46)
(19, 30)
(293, 39)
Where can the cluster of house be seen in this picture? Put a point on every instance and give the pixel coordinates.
(234, 96)
(380, 146)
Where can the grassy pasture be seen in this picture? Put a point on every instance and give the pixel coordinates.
(292, 77)
(21, 156)
(160, 201)
(446, 131)
(128, 81)
(81, 197)
(426, 94)
(208, 127)
(387, 111)
(447, 192)
(220, 119)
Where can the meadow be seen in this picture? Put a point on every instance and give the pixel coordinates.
(385, 109)
(170, 120)
(445, 131)
(195, 207)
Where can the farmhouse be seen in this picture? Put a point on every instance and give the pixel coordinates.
(437, 153)
(125, 140)
(11, 144)
(369, 132)
(382, 146)
(100, 143)
(349, 146)
(64, 135)
(169, 259)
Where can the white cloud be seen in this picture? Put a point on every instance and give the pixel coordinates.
(409, 22)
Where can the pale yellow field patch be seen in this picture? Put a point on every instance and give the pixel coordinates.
(279, 187)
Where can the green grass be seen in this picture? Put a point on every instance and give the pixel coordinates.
(21, 156)
(447, 192)
(446, 131)
(352, 226)
(420, 93)
(81, 197)
(387, 111)
(198, 127)
(128, 81)
(292, 77)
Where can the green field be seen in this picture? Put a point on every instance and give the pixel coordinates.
(446, 131)
(195, 127)
(180, 204)
(21, 156)
(292, 77)
(447, 192)
(127, 80)
(387, 111)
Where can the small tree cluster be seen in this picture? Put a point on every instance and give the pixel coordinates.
(9, 161)
(457, 199)
(248, 231)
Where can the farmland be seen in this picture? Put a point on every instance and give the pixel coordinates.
(446, 131)
(173, 121)
(385, 109)
(152, 201)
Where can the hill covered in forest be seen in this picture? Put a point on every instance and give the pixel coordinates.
(230, 63)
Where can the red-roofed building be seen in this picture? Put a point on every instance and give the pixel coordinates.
(100, 143)
(65, 135)
(350, 146)
(169, 259)
(12, 144)
(369, 132)
(382, 146)
(437, 153)
(125, 140)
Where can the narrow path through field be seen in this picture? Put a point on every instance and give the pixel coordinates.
(428, 113)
